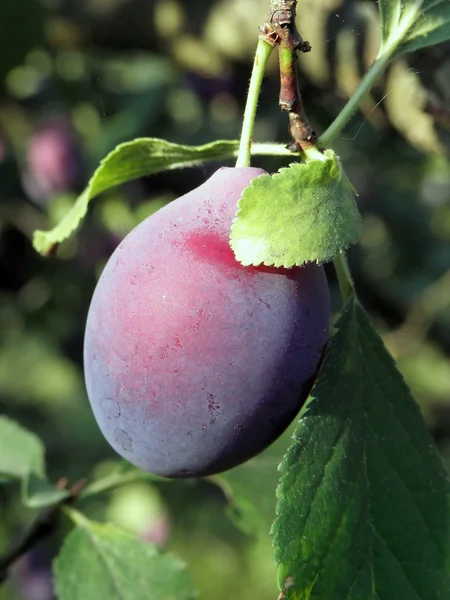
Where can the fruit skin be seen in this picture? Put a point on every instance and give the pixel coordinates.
(194, 363)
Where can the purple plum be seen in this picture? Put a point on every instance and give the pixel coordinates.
(193, 362)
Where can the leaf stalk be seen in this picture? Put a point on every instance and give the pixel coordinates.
(45, 524)
(345, 280)
(385, 55)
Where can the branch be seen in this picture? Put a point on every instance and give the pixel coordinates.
(45, 524)
(280, 29)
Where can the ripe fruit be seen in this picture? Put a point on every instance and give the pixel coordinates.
(193, 362)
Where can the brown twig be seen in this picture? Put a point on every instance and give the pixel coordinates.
(42, 527)
(280, 30)
(45, 523)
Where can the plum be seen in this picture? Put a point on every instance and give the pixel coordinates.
(54, 161)
(194, 363)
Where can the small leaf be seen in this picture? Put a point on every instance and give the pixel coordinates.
(363, 507)
(409, 25)
(39, 493)
(100, 561)
(304, 213)
(139, 158)
(250, 488)
(21, 452)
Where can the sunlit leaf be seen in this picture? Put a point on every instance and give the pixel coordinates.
(139, 158)
(304, 213)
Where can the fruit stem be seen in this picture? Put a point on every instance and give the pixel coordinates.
(263, 52)
(344, 277)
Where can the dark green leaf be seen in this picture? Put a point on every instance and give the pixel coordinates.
(100, 561)
(21, 452)
(250, 487)
(363, 509)
(131, 160)
(301, 214)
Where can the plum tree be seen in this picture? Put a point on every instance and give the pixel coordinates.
(194, 363)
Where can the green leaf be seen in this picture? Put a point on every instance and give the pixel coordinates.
(102, 561)
(22, 457)
(39, 493)
(21, 452)
(139, 158)
(363, 507)
(304, 213)
(250, 487)
(390, 15)
(407, 25)
(432, 27)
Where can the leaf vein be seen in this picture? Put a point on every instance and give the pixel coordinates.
(334, 535)
(104, 560)
(394, 556)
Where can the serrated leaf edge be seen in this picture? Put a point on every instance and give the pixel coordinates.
(342, 176)
(357, 311)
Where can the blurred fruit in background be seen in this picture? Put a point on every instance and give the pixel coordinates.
(53, 160)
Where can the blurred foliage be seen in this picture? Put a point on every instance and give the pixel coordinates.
(79, 76)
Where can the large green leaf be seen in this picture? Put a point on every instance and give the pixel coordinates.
(128, 161)
(412, 24)
(301, 214)
(100, 561)
(363, 509)
(21, 452)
